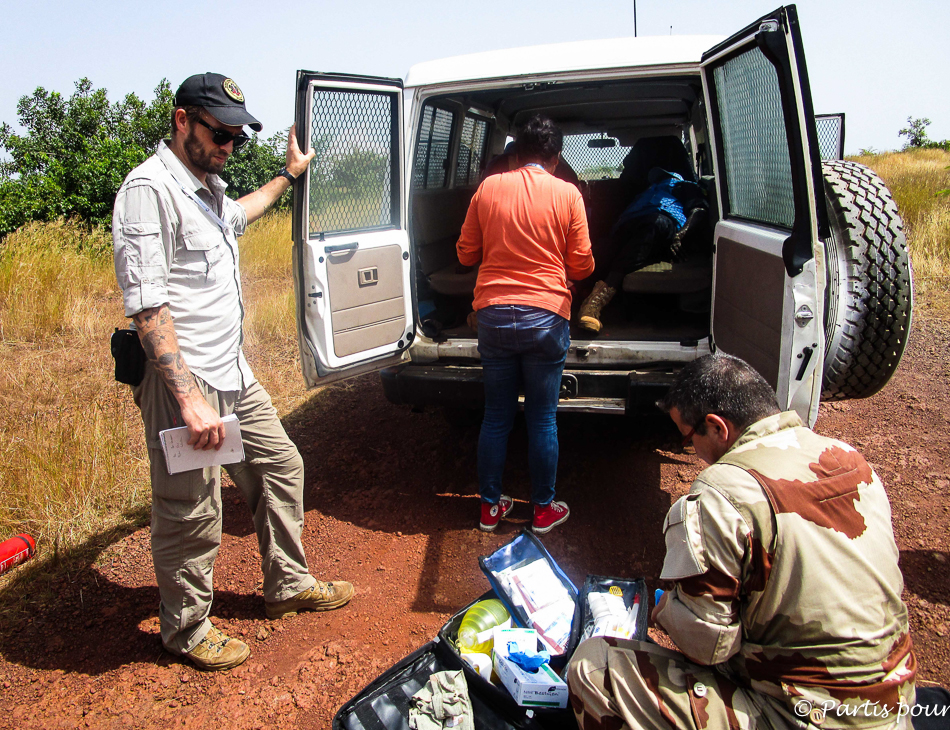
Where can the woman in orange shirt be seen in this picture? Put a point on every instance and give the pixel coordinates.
(528, 230)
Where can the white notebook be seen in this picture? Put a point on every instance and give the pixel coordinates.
(181, 456)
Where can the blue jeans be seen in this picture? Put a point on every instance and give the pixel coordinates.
(521, 347)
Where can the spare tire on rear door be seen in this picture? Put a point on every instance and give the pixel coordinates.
(869, 292)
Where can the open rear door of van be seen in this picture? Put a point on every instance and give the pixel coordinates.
(352, 264)
(769, 265)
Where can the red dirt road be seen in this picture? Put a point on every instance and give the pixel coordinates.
(391, 506)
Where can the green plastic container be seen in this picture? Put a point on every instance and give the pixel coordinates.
(481, 617)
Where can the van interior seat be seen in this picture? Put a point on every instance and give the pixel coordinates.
(680, 278)
(437, 217)
(666, 152)
(449, 282)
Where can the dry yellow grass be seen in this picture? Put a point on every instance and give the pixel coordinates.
(73, 467)
(914, 177)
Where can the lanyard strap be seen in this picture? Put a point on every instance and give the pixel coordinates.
(225, 228)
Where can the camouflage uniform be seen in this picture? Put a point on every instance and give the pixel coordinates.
(787, 600)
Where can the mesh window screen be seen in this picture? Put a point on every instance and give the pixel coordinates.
(830, 128)
(432, 149)
(758, 169)
(592, 163)
(351, 177)
(471, 150)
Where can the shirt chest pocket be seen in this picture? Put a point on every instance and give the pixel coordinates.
(202, 255)
(685, 550)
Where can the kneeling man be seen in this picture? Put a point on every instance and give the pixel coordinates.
(786, 602)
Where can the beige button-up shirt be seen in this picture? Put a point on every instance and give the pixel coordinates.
(169, 250)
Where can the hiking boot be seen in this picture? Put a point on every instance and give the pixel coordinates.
(492, 513)
(548, 516)
(321, 597)
(696, 220)
(588, 317)
(217, 651)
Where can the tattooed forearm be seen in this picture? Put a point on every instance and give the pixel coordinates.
(157, 332)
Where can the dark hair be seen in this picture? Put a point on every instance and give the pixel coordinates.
(721, 385)
(539, 139)
(191, 113)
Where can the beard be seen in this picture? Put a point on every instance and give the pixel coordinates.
(200, 157)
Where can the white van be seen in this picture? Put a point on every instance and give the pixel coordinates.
(805, 275)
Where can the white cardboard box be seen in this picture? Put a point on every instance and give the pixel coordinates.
(539, 689)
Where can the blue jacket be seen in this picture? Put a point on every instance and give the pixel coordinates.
(668, 193)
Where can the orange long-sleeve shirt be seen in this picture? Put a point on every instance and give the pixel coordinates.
(529, 231)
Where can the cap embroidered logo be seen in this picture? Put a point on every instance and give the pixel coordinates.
(233, 90)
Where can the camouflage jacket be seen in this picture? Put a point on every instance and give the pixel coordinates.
(786, 576)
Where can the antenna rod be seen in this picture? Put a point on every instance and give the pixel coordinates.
(634, 18)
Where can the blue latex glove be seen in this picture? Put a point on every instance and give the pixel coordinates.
(528, 662)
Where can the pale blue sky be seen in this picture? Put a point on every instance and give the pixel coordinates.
(879, 62)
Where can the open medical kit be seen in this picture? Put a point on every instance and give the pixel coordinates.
(512, 644)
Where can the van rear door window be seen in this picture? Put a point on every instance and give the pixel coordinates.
(354, 178)
(754, 140)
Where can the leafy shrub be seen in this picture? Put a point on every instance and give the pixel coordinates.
(75, 153)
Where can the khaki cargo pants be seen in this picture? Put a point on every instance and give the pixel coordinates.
(186, 507)
(617, 684)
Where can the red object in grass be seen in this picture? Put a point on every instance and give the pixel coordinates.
(15, 550)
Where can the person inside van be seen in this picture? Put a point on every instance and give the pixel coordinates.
(528, 229)
(650, 230)
(508, 161)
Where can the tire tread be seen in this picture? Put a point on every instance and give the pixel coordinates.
(871, 298)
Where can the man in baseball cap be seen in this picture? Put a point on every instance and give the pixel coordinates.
(219, 96)
(176, 258)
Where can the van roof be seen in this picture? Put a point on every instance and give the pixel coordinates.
(563, 57)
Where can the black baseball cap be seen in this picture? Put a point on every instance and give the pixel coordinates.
(223, 99)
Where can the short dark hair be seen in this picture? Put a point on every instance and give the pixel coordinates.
(191, 113)
(539, 139)
(721, 385)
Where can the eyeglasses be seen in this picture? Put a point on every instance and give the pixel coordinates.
(221, 138)
(688, 438)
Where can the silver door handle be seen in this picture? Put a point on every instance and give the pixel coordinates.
(339, 248)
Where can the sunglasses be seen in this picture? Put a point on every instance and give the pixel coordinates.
(221, 138)
(688, 438)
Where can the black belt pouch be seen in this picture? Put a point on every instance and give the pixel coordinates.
(129, 356)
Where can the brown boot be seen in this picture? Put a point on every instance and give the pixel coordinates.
(320, 597)
(217, 651)
(588, 317)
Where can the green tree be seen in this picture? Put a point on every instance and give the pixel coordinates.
(255, 164)
(75, 152)
(360, 172)
(916, 132)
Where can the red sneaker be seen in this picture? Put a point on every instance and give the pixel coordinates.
(548, 516)
(492, 513)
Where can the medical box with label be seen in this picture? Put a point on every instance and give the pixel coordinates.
(540, 688)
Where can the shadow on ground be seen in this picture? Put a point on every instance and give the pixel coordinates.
(385, 468)
(386, 471)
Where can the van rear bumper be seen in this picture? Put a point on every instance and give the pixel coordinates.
(595, 391)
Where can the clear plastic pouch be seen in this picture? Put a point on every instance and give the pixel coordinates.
(536, 592)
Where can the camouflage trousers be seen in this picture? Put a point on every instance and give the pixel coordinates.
(616, 684)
